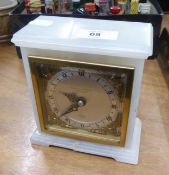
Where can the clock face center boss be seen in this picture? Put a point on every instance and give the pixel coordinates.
(82, 100)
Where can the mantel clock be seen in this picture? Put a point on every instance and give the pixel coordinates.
(84, 78)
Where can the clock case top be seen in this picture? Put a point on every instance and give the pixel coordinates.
(117, 38)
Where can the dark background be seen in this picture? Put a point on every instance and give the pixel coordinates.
(164, 5)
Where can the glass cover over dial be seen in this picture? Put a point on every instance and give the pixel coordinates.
(80, 100)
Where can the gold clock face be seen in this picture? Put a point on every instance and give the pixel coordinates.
(83, 101)
(82, 98)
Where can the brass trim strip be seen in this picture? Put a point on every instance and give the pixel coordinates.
(80, 62)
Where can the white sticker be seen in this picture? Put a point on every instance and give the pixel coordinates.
(39, 22)
(98, 34)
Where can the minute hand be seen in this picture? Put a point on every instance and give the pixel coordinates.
(71, 96)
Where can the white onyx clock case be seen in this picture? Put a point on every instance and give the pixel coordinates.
(85, 88)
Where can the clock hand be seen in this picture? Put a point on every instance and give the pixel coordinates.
(71, 96)
(71, 108)
(78, 101)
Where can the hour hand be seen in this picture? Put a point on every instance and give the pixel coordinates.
(71, 108)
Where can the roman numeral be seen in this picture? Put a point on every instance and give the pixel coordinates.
(51, 96)
(109, 92)
(108, 118)
(64, 75)
(81, 73)
(114, 106)
(82, 125)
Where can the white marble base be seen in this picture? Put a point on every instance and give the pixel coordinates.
(121, 154)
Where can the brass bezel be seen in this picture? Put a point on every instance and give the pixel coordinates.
(66, 132)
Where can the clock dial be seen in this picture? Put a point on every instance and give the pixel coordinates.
(82, 99)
